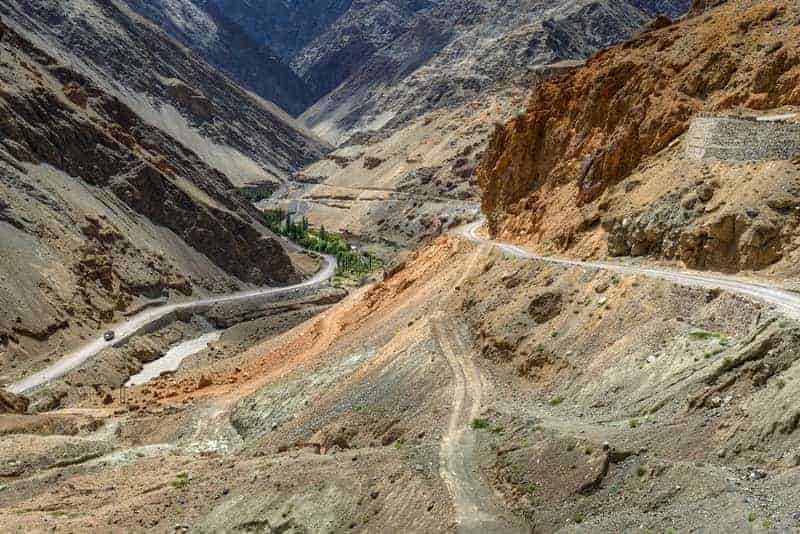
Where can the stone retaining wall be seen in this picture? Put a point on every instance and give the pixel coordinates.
(742, 138)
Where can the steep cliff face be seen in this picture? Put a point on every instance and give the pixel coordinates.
(591, 128)
(169, 86)
(101, 211)
(206, 29)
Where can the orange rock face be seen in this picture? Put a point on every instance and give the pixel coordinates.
(593, 126)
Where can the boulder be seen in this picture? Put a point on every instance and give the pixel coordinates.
(545, 306)
(334, 436)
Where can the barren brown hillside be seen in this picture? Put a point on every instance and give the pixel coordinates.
(467, 389)
(591, 128)
(101, 212)
(474, 385)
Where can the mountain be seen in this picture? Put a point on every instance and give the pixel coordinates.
(171, 87)
(367, 64)
(345, 47)
(358, 57)
(601, 161)
(523, 381)
(205, 29)
(324, 41)
(286, 26)
(417, 117)
(102, 211)
(453, 53)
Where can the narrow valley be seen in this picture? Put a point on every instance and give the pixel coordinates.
(400, 266)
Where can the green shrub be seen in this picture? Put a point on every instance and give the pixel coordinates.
(702, 334)
(181, 481)
(479, 424)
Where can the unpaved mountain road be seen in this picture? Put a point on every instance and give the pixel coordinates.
(474, 504)
(147, 318)
(784, 301)
(472, 499)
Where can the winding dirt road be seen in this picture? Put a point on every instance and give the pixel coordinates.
(475, 509)
(147, 318)
(785, 301)
(472, 499)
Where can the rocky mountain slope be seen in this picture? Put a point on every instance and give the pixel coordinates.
(286, 26)
(418, 117)
(101, 212)
(325, 42)
(475, 388)
(585, 167)
(468, 388)
(451, 54)
(205, 28)
(349, 52)
(169, 86)
(373, 64)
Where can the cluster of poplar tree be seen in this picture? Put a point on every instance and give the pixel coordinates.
(350, 260)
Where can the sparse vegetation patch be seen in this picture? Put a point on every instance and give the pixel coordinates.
(351, 262)
(479, 424)
(181, 481)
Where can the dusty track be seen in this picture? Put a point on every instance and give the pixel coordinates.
(785, 301)
(472, 499)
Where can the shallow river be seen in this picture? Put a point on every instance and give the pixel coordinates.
(173, 358)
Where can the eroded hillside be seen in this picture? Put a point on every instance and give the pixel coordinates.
(205, 28)
(468, 390)
(451, 54)
(102, 212)
(169, 86)
(588, 156)
(477, 387)
(418, 116)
